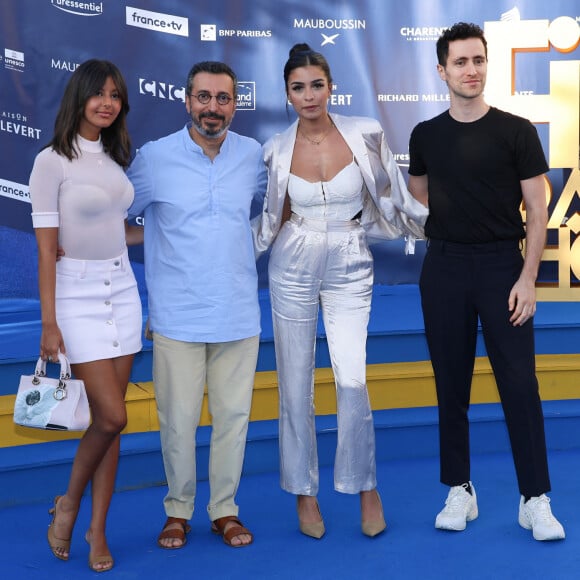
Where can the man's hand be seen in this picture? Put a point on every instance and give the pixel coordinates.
(522, 302)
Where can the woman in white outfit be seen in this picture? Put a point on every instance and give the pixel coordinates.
(91, 310)
(332, 181)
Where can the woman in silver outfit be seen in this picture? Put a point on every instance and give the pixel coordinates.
(332, 181)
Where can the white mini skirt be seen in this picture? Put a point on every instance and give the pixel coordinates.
(98, 308)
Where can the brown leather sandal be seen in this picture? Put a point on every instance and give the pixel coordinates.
(219, 527)
(174, 533)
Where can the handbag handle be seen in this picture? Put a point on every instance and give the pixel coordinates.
(65, 374)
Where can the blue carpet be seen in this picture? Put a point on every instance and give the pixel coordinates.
(493, 546)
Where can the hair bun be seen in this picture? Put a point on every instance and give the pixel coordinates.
(300, 47)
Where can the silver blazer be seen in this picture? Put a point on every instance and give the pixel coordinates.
(389, 210)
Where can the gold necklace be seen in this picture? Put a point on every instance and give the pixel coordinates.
(315, 141)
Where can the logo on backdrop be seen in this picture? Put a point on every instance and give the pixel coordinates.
(559, 109)
(339, 99)
(16, 124)
(210, 32)
(60, 64)
(13, 60)
(421, 33)
(157, 21)
(328, 38)
(331, 23)
(402, 159)
(161, 90)
(413, 98)
(79, 8)
(246, 100)
(13, 190)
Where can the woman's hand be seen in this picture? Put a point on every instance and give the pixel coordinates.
(51, 343)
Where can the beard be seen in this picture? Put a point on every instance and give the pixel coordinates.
(212, 132)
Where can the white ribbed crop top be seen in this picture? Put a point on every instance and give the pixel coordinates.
(337, 199)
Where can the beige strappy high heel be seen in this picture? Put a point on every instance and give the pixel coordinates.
(57, 545)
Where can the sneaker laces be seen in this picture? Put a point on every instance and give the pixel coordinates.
(540, 511)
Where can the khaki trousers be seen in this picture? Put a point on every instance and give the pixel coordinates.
(180, 372)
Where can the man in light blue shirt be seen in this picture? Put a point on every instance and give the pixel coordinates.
(195, 189)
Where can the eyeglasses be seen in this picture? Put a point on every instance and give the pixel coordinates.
(204, 98)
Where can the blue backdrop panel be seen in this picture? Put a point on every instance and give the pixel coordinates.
(382, 56)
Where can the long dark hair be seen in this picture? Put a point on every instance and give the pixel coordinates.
(86, 81)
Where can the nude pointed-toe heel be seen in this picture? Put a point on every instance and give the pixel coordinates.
(372, 528)
(315, 529)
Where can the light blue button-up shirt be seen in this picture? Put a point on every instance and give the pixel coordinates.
(200, 266)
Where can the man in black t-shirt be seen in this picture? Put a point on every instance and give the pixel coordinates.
(473, 165)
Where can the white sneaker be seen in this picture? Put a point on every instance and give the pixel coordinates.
(460, 508)
(536, 515)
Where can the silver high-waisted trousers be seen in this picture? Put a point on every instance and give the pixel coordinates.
(328, 263)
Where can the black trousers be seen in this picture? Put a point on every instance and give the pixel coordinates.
(461, 283)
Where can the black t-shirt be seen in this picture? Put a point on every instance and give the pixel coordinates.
(474, 172)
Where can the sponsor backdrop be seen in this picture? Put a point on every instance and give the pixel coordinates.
(382, 55)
